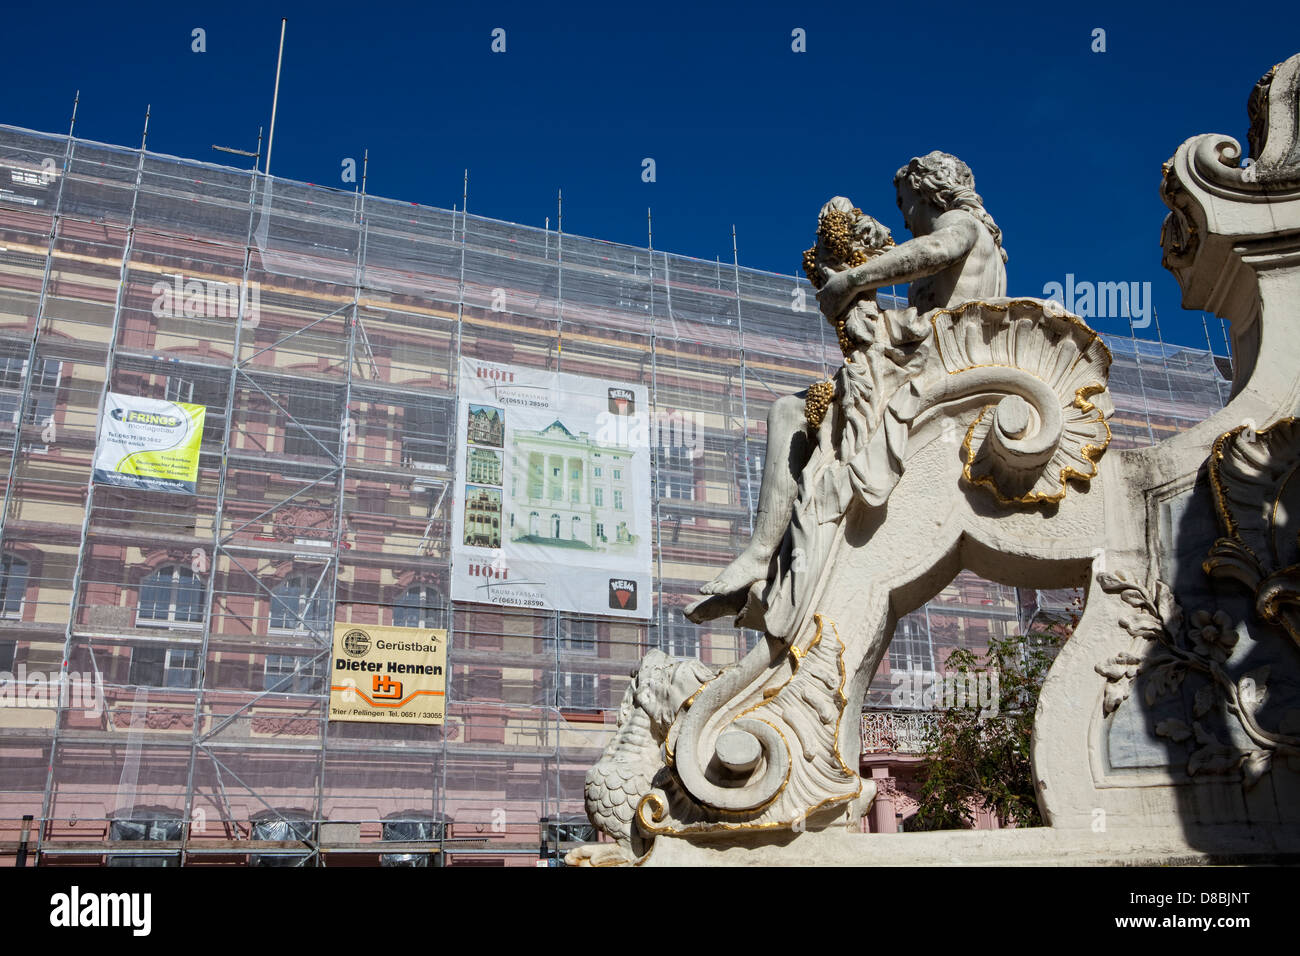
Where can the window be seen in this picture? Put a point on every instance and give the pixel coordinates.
(8, 651)
(600, 497)
(597, 471)
(164, 667)
(569, 829)
(410, 826)
(316, 418)
(681, 639)
(292, 674)
(43, 392)
(573, 495)
(146, 824)
(201, 388)
(618, 501)
(600, 531)
(294, 608)
(171, 595)
(282, 826)
(421, 606)
(911, 649)
(182, 667)
(578, 636)
(578, 691)
(13, 585)
(676, 473)
(424, 435)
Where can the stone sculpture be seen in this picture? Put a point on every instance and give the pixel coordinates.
(969, 431)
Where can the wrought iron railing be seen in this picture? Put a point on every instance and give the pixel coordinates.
(891, 731)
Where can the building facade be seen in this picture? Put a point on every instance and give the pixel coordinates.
(190, 720)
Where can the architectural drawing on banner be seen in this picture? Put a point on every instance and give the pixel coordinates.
(570, 491)
(554, 474)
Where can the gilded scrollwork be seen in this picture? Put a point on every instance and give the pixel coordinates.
(1253, 476)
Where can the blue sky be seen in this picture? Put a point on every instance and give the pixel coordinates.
(1066, 144)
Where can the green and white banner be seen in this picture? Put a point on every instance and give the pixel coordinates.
(150, 444)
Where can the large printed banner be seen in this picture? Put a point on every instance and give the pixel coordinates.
(552, 505)
(149, 443)
(388, 675)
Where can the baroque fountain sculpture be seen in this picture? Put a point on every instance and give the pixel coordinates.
(969, 431)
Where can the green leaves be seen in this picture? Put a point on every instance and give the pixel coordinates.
(975, 763)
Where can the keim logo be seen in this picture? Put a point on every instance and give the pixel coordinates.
(622, 594)
(356, 643)
(75, 909)
(494, 374)
(133, 417)
(622, 401)
(1103, 300)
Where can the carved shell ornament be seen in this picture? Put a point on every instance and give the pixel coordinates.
(1051, 369)
(1253, 475)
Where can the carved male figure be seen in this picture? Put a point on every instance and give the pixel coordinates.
(955, 257)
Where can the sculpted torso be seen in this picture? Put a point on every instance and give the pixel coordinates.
(953, 259)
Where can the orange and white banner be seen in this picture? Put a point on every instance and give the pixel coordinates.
(394, 675)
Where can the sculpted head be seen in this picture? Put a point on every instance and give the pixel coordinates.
(944, 183)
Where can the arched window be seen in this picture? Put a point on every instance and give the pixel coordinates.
(171, 595)
(293, 608)
(421, 606)
(13, 585)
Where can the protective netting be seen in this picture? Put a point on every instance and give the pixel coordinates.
(322, 331)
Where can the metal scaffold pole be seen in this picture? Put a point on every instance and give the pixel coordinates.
(78, 576)
(654, 472)
(42, 824)
(1214, 366)
(744, 375)
(218, 519)
(451, 552)
(559, 279)
(347, 435)
(1137, 357)
(34, 343)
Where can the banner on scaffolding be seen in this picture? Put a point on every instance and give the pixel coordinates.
(552, 507)
(149, 443)
(388, 675)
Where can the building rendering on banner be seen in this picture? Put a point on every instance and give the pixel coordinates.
(576, 492)
(486, 426)
(199, 629)
(484, 466)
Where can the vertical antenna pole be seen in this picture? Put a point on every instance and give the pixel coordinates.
(275, 98)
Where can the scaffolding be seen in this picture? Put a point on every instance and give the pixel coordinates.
(322, 329)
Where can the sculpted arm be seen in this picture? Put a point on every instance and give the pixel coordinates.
(955, 236)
